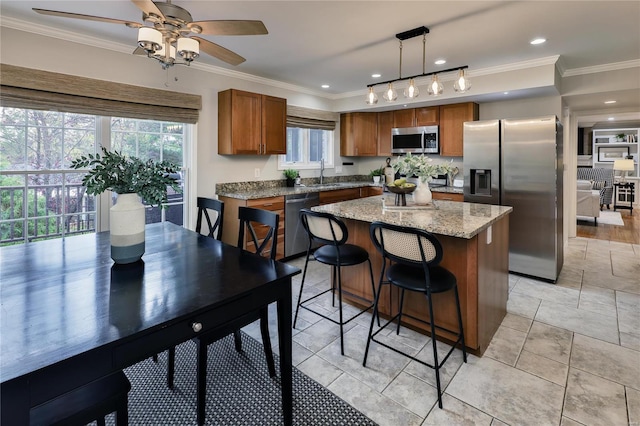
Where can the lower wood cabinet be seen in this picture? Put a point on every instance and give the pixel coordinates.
(231, 225)
(338, 195)
(448, 196)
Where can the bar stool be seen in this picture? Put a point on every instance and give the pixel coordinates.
(325, 228)
(415, 254)
(91, 402)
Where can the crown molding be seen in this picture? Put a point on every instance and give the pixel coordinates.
(43, 30)
(635, 63)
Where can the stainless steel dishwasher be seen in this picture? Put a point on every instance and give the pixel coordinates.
(296, 240)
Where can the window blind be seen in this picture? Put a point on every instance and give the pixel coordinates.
(36, 89)
(308, 118)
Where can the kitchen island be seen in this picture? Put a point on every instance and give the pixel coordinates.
(475, 238)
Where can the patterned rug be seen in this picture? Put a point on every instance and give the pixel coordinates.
(606, 217)
(239, 391)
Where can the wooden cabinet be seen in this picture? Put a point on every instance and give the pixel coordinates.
(412, 117)
(385, 124)
(251, 123)
(452, 118)
(338, 195)
(448, 196)
(359, 134)
(370, 191)
(231, 225)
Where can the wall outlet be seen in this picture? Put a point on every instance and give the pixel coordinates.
(338, 169)
(256, 172)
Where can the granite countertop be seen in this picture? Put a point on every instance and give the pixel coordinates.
(454, 219)
(250, 192)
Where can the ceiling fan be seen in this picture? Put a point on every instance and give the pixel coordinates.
(172, 30)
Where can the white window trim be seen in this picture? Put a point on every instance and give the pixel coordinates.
(329, 162)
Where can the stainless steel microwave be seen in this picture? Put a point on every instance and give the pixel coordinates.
(416, 140)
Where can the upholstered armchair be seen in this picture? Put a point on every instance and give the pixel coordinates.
(588, 201)
(602, 180)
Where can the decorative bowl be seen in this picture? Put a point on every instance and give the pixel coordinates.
(401, 189)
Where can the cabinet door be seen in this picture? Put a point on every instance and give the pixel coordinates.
(385, 124)
(427, 116)
(274, 125)
(338, 195)
(448, 196)
(452, 118)
(246, 121)
(359, 134)
(404, 118)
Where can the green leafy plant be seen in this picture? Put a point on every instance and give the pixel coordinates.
(377, 172)
(115, 172)
(290, 173)
(620, 136)
(417, 165)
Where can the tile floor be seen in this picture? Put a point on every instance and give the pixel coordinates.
(565, 354)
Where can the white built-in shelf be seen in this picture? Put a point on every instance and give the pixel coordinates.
(608, 138)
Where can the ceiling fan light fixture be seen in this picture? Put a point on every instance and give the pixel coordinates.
(149, 39)
(435, 87)
(372, 98)
(390, 94)
(462, 83)
(161, 55)
(188, 48)
(412, 90)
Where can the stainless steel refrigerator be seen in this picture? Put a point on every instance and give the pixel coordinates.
(518, 163)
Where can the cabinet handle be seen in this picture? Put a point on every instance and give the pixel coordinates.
(196, 326)
(268, 204)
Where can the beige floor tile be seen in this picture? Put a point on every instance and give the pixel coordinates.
(629, 340)
(496, 422)
(545, 368)
(593, 400)
(627, 267)
(448, 369)
(455, 412)
(412, 393)
(511, 395)
(606, 279)
(506, 345)
(299, 354)
(320, 370)
(517, 322)
(633, 406)
(379, 408)
(550, 342)
(545, 291)
(566, 421)
(578, 320)
(597, 295)
(523, 305)
(612, 362)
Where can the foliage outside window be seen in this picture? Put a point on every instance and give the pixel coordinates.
(305, 149)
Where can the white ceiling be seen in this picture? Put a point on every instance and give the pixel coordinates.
(341, 43)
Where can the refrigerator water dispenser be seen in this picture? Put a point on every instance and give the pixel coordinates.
(481, 182)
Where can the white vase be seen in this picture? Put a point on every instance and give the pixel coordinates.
(376, 179)
(422, 193)
(126, 222)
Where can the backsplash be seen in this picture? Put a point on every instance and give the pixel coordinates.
(266, 184)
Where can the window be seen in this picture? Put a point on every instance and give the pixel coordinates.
(36, 149)
(306, 147)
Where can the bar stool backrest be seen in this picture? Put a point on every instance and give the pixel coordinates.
(324, 228)
(406, 245)
(204, 205)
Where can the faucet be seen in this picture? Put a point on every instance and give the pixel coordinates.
(321, 170)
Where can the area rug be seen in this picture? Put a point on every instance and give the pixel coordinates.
(606, 217)
(239, 391)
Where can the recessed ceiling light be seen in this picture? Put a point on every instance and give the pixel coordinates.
(376, 75)
(610, 118)
(610, 102)
(538, 40)
(325, 86)
(440, 62)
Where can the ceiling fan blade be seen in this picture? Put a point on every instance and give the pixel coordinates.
(87, 17)
(148, 7)
(219, 52)
(139, 51)
(230, 27)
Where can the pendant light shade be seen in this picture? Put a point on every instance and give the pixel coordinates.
(412, 90)
(149, 39)
(188, 48)
(390, 94)
(462, 83)
(435, 87)
(372, 98)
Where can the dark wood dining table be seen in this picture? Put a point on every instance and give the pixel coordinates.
(69, 315)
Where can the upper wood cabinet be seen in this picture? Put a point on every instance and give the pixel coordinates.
(385, 124)
(452, 118)
(359, 134)
(412, 117)
(251, 123)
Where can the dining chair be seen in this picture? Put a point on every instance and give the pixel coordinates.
(413, 256)
(325, 228)
(88, 403)
(258, 232)
(204, 205)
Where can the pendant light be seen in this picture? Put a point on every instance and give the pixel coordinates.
(390, 94)
(435, 87)
(462, 83)
(372, 98)
(412, 90)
